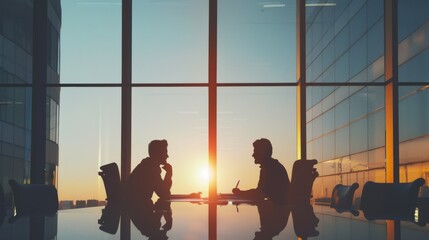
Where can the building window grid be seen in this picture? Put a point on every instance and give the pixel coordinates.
(301, 107)
(217, 85)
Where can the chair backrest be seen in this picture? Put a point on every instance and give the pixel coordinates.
(342, 196)
(112, 182)
(390, 200)
(34, 199)
(303, 176)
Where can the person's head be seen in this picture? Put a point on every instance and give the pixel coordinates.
(158, 150)
(262, 150)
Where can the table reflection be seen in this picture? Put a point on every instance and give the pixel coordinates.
(147, 219)
(155, 220)
(273, 219)
(194, 220)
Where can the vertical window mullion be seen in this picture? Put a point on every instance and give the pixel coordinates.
(301, 81)
(126, 105)
(393, 227)
(391, 96)
(212, 74)
(39, 91)
(126, 90)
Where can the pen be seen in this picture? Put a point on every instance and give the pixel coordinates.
(236, 186)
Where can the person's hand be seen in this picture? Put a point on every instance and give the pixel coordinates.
(167, 167)
(195, 195)
(236, 190)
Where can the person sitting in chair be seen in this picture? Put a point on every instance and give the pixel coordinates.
(146, 177)
(273, 178)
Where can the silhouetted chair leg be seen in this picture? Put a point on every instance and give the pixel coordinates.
(393, 201)
(303, 176)
(342, 198)
(34, 199)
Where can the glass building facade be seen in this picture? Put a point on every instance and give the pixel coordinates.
(16, 79)
(211, 77)
(346, 122)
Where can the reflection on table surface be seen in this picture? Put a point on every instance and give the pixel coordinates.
(190, 220)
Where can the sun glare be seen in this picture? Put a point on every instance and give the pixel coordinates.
(204, 174)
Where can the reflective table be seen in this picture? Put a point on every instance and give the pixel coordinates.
(183, 219)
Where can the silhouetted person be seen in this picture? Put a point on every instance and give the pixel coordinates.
(146, 217)
(273, 218)
(146, 177)
(273, 178)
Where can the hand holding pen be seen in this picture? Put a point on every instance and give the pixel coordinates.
(236, 189)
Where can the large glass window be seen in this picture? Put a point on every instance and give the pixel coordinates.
(413, 132)
(353, 30)
(52, 113)
(413, 36)
(91, 41)
(346, 134)
(248, 114)
(180, 116)
(256, 41)
(15, 137)
(89, 138)
(413, 32)
(170, 41)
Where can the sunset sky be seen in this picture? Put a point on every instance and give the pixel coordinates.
(170, 44)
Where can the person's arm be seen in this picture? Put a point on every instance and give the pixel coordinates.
(253, 194)
(163, 186)
(168, 176)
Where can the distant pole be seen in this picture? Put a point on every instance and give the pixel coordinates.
(301, 134)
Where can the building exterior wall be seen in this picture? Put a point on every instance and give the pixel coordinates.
(16, 49)
(346, 124)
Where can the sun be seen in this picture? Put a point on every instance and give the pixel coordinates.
(204, 174)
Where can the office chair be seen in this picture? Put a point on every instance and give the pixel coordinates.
(342, 198)
(112, 182)
(393, 201)
(33, 199)
(303, 176)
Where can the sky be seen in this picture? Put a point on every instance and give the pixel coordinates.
(170, 44)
